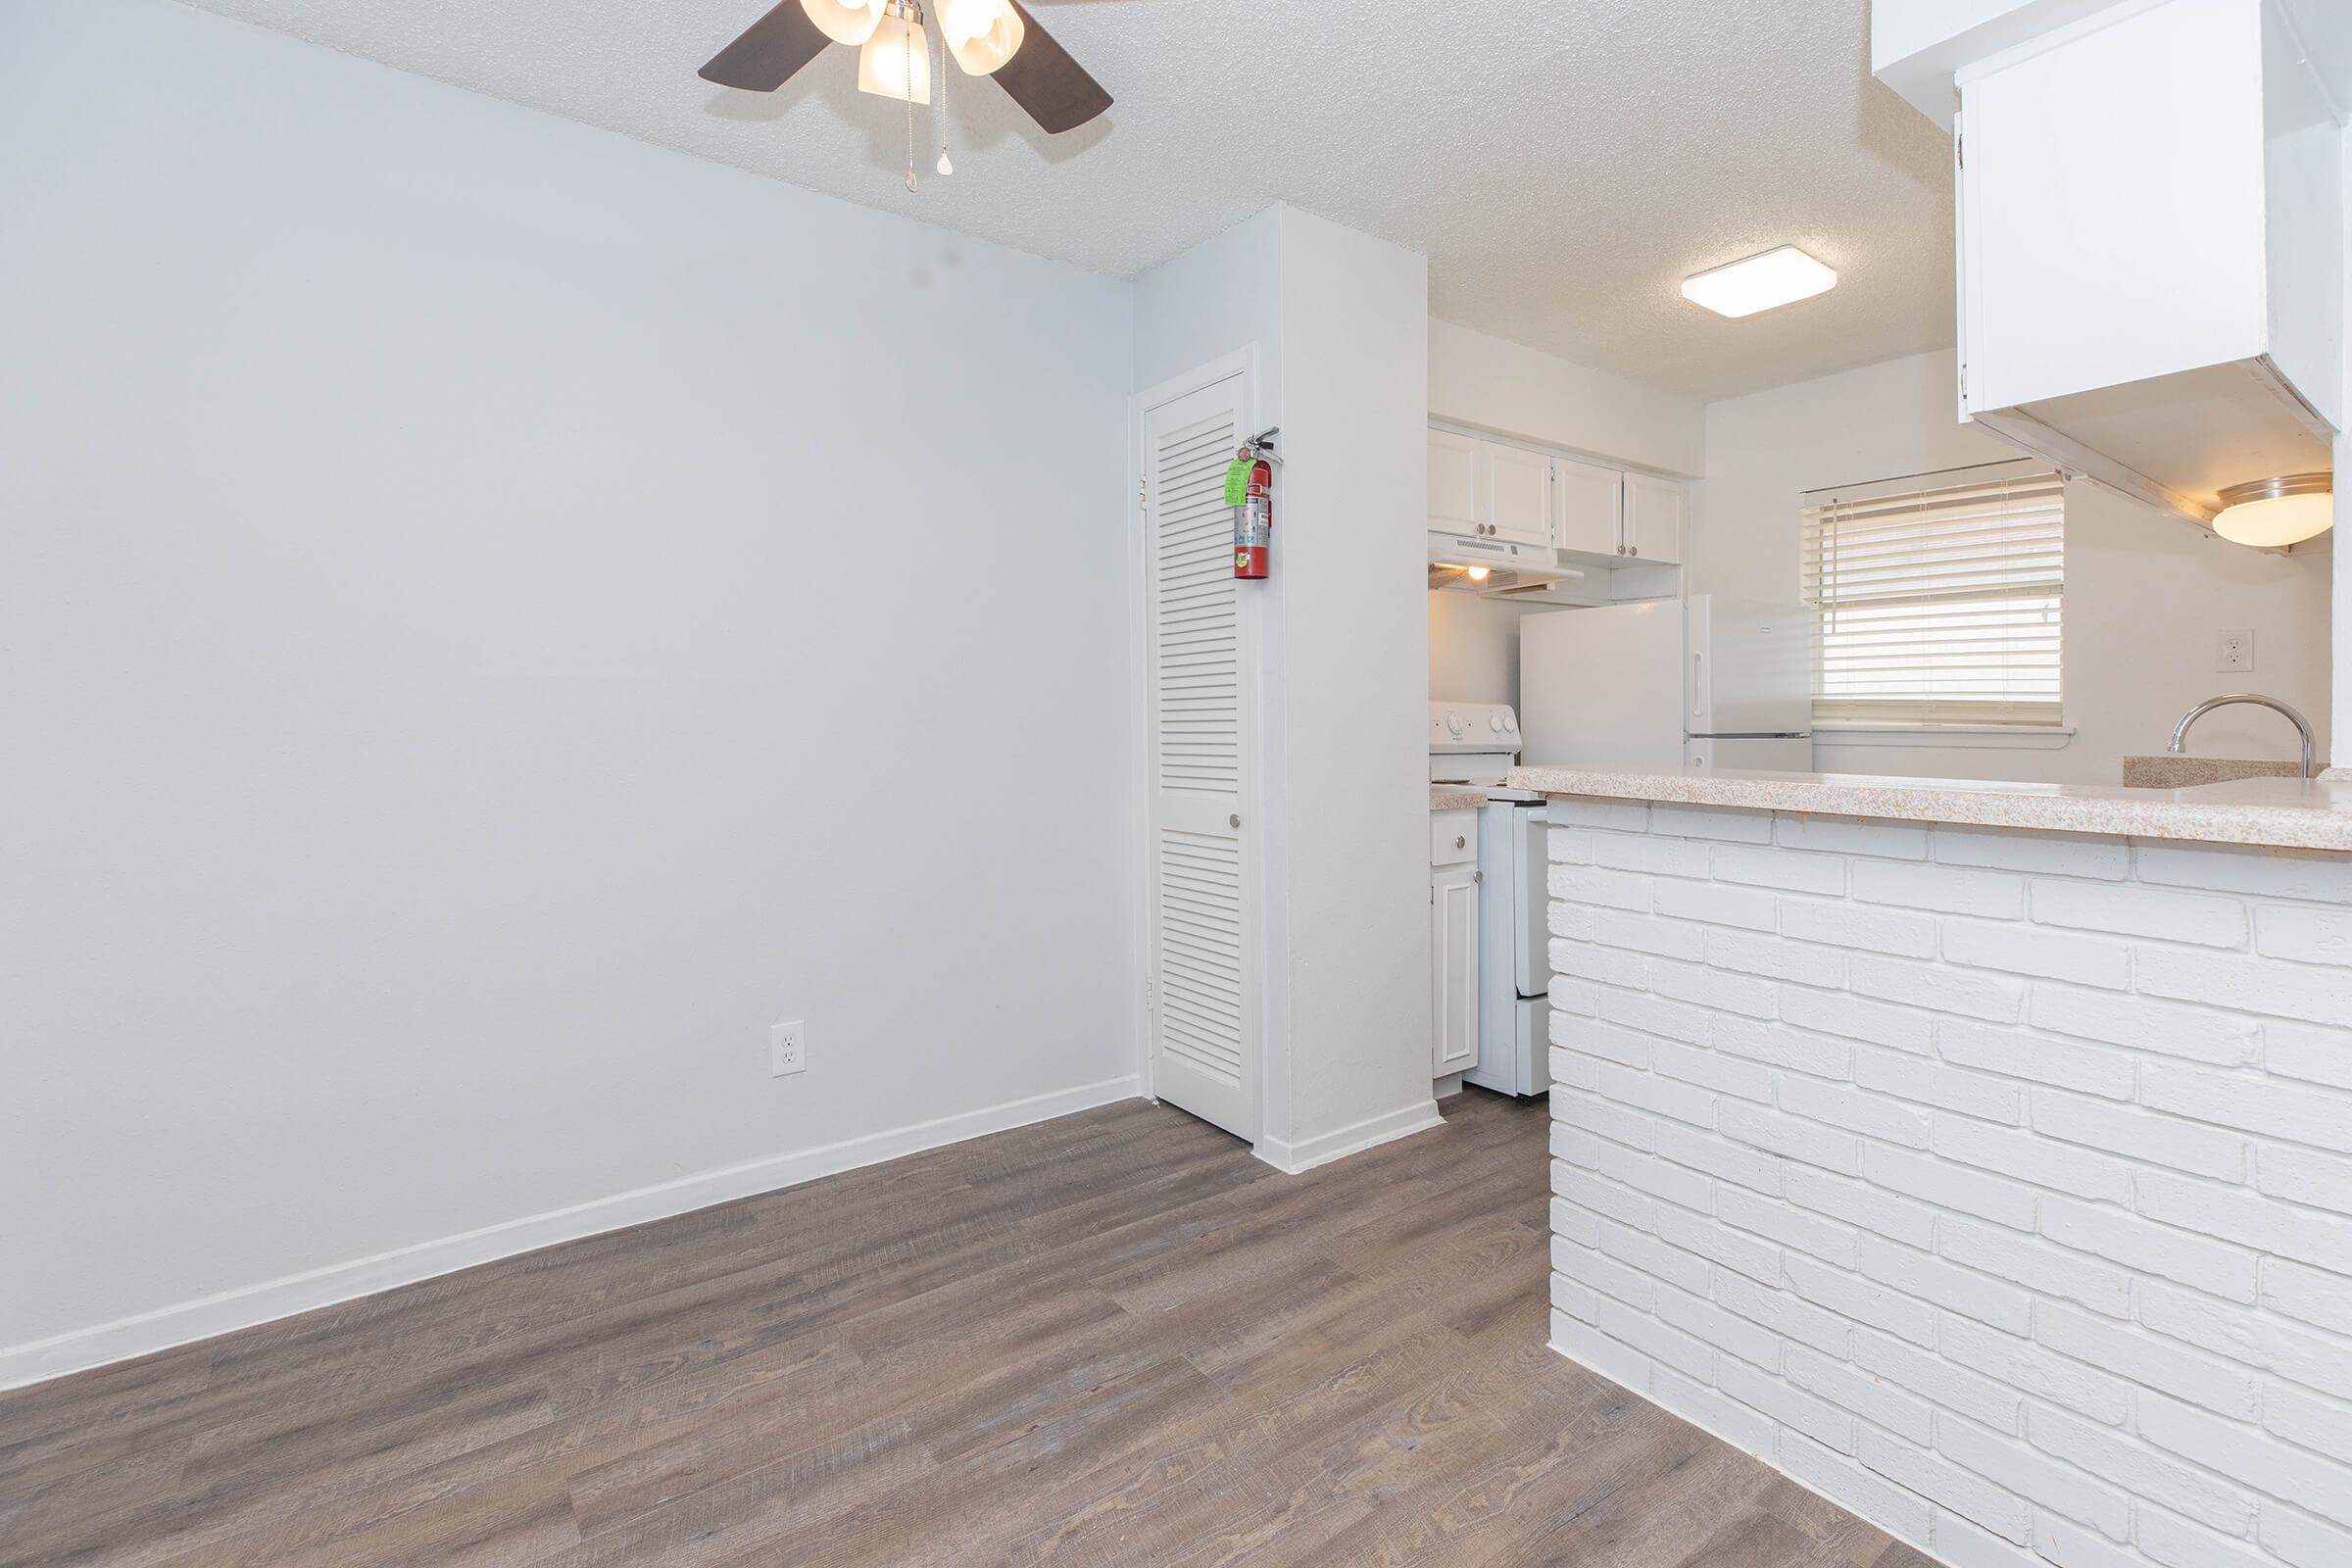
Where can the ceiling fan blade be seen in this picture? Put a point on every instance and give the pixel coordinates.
(769, 51)
(1043, 78)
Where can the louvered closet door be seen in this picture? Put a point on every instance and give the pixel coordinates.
(1203, 962)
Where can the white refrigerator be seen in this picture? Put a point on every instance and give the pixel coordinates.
(1699, 682)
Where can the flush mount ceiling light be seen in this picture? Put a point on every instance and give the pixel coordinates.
(1779, 276)
(994, 39)
(2274, 512)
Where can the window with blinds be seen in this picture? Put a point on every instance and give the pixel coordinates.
(1936, 597)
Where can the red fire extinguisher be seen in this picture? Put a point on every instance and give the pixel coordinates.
(1252, 476)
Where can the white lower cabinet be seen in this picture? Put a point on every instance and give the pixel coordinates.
(1452, 941)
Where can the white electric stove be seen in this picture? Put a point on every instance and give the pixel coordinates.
(1475, 745)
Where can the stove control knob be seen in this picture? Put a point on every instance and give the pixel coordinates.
(1454, 725)
(1495, 724)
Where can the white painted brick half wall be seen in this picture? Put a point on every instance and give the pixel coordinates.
(1997, 1186)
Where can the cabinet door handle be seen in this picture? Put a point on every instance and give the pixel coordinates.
(1461, 841)
(1235, 819)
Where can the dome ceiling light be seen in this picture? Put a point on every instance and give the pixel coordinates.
(2276, 513)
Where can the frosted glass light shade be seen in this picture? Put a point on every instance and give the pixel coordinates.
(2276, 513)
(850, 21)
(896, 62)
(982, 34)
(1777, 277)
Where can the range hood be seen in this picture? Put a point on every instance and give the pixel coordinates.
(1506, 571)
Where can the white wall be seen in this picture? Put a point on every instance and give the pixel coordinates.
(1351, 552)
(2146, 594)
(1510, 389)
(495, 615)
(1474, 648)
(1221, 298)
(1336, 324)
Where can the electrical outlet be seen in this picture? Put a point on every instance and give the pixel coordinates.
(2235, 654)
(787, 1049)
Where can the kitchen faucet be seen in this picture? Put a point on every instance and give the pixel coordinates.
(2179, 746)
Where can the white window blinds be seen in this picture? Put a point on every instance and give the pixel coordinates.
(1936, 597)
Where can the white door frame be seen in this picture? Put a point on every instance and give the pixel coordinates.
(1243, 362)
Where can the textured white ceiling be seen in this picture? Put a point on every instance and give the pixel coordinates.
(1562, 163)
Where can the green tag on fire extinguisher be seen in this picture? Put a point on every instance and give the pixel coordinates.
(1237, 481)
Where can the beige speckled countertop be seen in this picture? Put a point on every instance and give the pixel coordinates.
(2285, 813)
(1449, 798)
(2167, 772)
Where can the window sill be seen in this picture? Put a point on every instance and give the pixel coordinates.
(1994, 737)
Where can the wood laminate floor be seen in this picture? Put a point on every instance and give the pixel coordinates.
(1112, 1339)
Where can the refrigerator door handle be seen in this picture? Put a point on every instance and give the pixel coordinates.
(1698, 685)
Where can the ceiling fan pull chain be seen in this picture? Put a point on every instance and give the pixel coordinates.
(941, 77)
(906, 51)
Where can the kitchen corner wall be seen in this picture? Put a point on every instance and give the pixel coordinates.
(2341, 689)
(1338, 324)
(1512, 390)
(1515, 391)
(492, 615)
(2146, 594)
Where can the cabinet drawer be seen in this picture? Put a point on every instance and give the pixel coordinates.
(1453, 837)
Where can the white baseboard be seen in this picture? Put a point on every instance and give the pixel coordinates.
(272, 1299)
(1304, 1155)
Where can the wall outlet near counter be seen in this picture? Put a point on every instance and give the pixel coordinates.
(2233, 653)
(787, 1049)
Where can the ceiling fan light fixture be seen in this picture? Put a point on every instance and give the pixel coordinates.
(850, 21)
(2271, 513)
(896, 62)
(1779, 276)
(982, 34)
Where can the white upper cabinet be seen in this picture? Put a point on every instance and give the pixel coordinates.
(1457, 484)
(1588, 509)
(2150, 237)
(1520, 483)
(1598, 515)
(1655, 513)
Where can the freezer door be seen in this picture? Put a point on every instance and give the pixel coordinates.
(1602, 686)
(1768, 756)
(1748, 667)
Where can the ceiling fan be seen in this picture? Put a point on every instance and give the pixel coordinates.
(996, 39)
